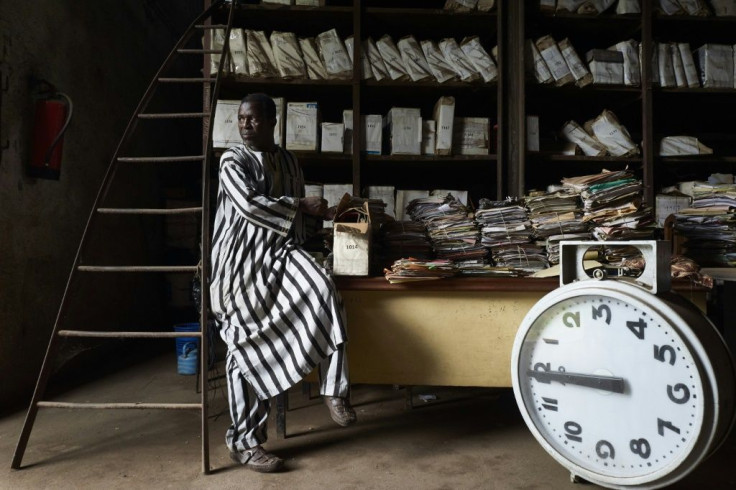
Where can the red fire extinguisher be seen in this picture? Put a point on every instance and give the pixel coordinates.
(53, 114)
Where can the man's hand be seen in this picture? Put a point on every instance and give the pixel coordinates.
(313, 205)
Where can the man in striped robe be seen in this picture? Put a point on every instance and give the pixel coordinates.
(278, 311)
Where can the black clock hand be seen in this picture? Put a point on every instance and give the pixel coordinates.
(606, 383)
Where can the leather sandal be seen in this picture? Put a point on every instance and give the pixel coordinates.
(340, 410)
(257, 459)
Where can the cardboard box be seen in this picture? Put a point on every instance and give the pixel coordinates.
(532, 133)
(332, 137)
(444, 116)
(606, 66)
(472, 135)
(669, 204)
(372, 137)
(351, 248)
(404, 128)
(716, 65)
(302, 121)
(225, 132)
(429, 134)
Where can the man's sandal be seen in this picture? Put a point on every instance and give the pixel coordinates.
(257, 459)
(340, 410)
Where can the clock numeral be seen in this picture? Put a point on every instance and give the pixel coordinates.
(637, 328)
(598, 311)
(549, 404)
(640, 447)
(542, 366)
(573, 431)
(659, 354)
(662, 425)
(571, 319)
(604, 450)
(678, 387)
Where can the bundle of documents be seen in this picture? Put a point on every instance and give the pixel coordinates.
(552, 244)
(453, 232)
(409, 270)
(524, 258)
(555, 213)
(612, 205)
(709, 226)
(404, 239)
(503, 223)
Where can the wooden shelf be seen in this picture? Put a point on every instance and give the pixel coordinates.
(553, 157)
(430, 158)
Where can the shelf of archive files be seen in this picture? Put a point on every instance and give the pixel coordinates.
(480, 175)
(648, 111)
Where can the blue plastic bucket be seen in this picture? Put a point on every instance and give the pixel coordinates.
(188, 360)
(182, 341)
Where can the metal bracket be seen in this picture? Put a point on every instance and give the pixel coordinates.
(656, 274)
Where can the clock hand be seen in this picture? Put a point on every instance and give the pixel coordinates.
(606, 383)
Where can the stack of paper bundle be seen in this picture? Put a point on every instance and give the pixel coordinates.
(409, 270)
(709, 226)
(612, 204)
(403, 240)
(507, 231)
(452, 231)
(556, 216)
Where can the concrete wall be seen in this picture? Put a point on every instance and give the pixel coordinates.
(103, 55)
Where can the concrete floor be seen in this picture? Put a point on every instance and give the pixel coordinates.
(465, 439)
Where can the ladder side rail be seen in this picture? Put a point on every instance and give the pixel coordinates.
(45, 373)
(205, 244)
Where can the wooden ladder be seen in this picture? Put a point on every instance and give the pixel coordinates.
(168, 75)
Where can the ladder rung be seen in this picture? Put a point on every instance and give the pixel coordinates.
(131, 335)
(186, 80)
(138, 268)
(188, 158)
(139, 406)
(174, 115)
(211, 26)
(149, 211)
(198, 51)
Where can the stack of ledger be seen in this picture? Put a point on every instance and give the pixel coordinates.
(452, 231)
(409, 270)
(556, 216)
(612, 204)
(507, 232)
(709, 226)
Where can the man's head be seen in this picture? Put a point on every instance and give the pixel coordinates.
(256, 121)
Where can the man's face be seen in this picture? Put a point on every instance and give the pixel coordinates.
(255, 127)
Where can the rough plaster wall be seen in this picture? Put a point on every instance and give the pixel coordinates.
(103, 55)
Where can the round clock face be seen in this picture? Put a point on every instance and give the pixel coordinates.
(610, 386)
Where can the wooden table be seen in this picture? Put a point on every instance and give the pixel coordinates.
(446, 332)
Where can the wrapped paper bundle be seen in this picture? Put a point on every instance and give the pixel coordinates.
(628, 7)
(366, 72)
(682, 145)
(217, 41)
(378, 66)
(413, 57)
(392, 58)
(587, 143)
(440, 68)
(288, 55)
(457, 60)
(536, 64)
(334, 55)
(238, 56)
(313, 63)
(261, 62)
(552, 56)
(479, 58)
(632, 70)
(614, 136)
(575, 64)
